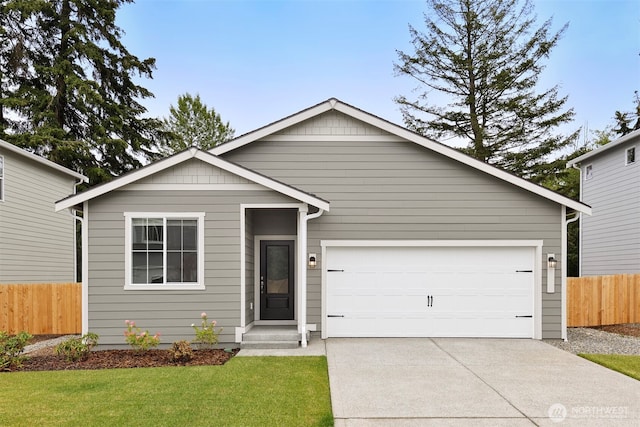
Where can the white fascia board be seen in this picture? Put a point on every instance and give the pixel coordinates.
(125, 179)
(272, 128)
(407, 135)
(606, 147)
(42, 160)
(462, 158)
(262, 180)
(179, 158)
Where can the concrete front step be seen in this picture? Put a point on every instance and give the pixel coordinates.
(273, 336)
(262, 345)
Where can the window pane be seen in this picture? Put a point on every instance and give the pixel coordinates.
(190, 267)
(174, 267)
(190, 235)
(139, 266)
(1, 167)
(155, 267)
(155, 234)
(631, 155)
(174, 234)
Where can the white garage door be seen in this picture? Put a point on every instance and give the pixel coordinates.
(430, 291)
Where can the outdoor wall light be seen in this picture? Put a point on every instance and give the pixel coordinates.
(312, 261)
(552, 263)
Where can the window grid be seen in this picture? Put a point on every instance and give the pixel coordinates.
(630, 156)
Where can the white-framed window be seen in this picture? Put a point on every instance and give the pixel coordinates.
(164, 250)
(1, 178)
(630, 156)
(588, 172)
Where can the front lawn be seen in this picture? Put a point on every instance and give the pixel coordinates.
(246, 391)
(628, 365)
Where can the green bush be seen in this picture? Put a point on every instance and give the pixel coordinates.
(206, 333)
(140, 340)
(11, 348)
(75, 349)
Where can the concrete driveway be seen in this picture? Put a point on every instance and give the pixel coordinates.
(480, 382)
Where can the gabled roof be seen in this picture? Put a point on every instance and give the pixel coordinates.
(42, 160)
(613, 144)
(392, 128)
(192, 153)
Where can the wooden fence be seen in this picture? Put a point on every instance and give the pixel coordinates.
(42, 308)
(603, 300)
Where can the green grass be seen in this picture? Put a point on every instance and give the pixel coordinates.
(247, 391)
(628, 365)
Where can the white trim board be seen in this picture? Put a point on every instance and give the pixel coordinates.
(42, 160)
(192, 153)
(399, 131)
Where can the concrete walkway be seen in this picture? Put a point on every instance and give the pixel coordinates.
(480, 382)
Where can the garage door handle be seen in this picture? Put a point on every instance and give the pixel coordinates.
(524, 316)
(339, 271)
(524, 271)
(335, 315)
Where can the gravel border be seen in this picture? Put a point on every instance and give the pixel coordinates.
(594, 341)
(48, 343)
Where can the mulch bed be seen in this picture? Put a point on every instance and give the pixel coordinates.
(46, 360)
(632, 329)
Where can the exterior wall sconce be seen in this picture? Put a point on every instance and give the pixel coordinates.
(552, 263)
(312, 261)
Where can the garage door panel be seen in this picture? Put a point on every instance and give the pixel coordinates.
(430, 291)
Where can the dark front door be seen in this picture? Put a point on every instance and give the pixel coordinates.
(276, 279)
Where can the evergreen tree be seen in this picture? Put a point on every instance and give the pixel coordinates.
(73, 99)
(486, 57)
(193, 124)
(627, 122)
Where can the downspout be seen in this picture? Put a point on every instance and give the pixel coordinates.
(579, 216)
(563, 266)
(303, 251)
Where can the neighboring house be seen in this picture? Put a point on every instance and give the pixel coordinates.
(330, 220)
(37, 244)
(610, 184)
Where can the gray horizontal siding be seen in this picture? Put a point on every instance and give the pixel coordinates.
(36, 243)
(398, 190)
(169, 312)
(611, 237)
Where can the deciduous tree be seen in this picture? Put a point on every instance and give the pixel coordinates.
(192, 124)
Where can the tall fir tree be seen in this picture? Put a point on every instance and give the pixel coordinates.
(628, 121)
(485, 57)
(73, 99)
(192, 124)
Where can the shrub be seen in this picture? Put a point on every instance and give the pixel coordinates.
(140, 341)
(11, 348)
(206, 334)
(181, 351)
(75, 349)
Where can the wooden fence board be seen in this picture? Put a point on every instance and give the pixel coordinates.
(603, 300)
(41, 308)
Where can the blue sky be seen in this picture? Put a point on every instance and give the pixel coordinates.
(258, 61)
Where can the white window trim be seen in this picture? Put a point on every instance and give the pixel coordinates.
(2, 179)
(626, 156)
(586, 175)
(128, 216)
